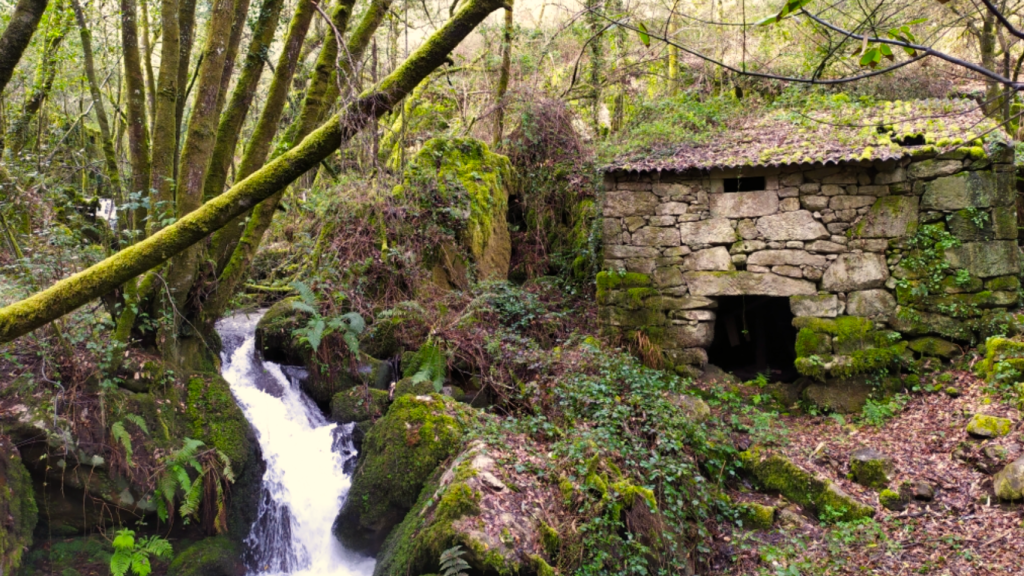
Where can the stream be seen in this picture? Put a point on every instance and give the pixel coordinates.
(309, 461)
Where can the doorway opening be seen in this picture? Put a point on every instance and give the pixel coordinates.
(755, 335)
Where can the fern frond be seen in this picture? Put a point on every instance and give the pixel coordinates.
(138, 421)
(305, 293)
(121, 435)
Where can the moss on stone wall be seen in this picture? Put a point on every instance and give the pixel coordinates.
(18, 512)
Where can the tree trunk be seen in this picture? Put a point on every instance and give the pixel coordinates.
(258, 147)
(109, 156)
(147, 62)
(506, 71)
(138, 136)
(186, 28)
(68, 294)
(17, 36)
(234, 41)
(241, 98)
(162, 179)
(18, 134)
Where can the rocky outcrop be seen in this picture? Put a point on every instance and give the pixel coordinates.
(18, 512)
(398, 455)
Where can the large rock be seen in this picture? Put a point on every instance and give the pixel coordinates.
(744, 204)
(654, 236)
(818, 305)
(714, 231)
(843, 395)
(399, 454)
(745, 283)
(986, 259)
(937, 347)
(696, 335)
(798, 225)
(935, 167)
(859, 271)
(917, 323)
(889, 217)
(359, 404)
(1008, 483)
(623, 203)
(986, 426)
(716, 258)
(870, 303)
(217, 556)
(786, 258)
(967, 189)
(18, 512)
(275, 337)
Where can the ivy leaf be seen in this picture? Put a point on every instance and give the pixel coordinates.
(645, 37)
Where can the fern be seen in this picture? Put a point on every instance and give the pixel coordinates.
(131, 554)
(121, 435)
(427, 365)
(452, 563)
(138, 421)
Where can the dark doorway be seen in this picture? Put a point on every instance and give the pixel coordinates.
(755, 335)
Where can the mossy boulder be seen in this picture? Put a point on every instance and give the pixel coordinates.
(409, 386)
(937, 347)
(842, 395)
(1008, 483)
(359, 404)
(1004, 360)
(326, 381)
(274, 334)
(470, 502)
(776, 473)
(463, 177)
(18, 512)
(871, 468)
(756, 516)
(892, 500)
(985, 426)
(217, 556)
(398, 456)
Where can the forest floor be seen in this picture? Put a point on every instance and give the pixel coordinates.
(962, 530)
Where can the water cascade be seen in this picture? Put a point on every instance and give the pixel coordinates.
(308, 464)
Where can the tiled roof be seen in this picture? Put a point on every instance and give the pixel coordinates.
(843, 132)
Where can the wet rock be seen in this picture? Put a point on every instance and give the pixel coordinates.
(871, 468)
(359, 404)
(985, 426)
(1008, 483)
(275, 338)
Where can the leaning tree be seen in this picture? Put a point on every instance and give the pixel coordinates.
(193, 236)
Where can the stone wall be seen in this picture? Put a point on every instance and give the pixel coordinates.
(859, 247)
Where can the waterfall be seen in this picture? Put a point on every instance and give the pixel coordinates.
(305, 482)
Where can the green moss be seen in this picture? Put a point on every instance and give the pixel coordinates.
(215, 418)
(891, 500)
(1002, 356)
(359, 404)
(756, 516)
(550, 538)
(809, 342)
(607, 281)
(1003, 283)
(845, 327)
(217, 556)
(870, 473)
(776, 473)
(406, 386)
(399, 454)
(986, 426)
(870, 360)
(18, 512)
(541, 566)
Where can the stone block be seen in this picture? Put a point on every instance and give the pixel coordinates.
(810, 188)
(889, 217)
(652, 236)
(674, 189)
(611, 231)
(832, 190)
(877, 191)
(672, 208)
(825, 247)
(698, 335)
(788, 271)
(745, 283)
(696, 315)
(937, 347)
(791, 179)
(986, 259)
(744, 204)
(851, 272)
(977, 189)
(634, 223)
(789, 204)
(786, 258)
(918, 323)
(869, 245)
(964, 225)
(621, 203)
(814, 203)
(850, 202)
(758, 269)
(619, 252)
(661, 221)
(668, 276)
(681, 303)
(634, 186)
(818, 305)
(897, 175)
(747, 246)
(690, 356)
(870, 303)
(799, 225)
(789, 192)
(934, 168)
(838, 227)
(714, 231)
(676, 251)
(1004, 223)
(716, 258)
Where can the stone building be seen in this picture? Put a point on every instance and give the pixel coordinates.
(838, 245)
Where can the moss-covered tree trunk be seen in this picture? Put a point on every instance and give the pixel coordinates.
(16, 37)
(503, 76)
(99, 279)
(186, 30)
(135, 103)
(109, 155)
(241, 98)
(164, 141)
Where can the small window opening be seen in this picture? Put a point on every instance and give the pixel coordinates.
(755, 335)
(749, 184)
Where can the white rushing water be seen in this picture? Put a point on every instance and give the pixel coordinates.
(306, 480)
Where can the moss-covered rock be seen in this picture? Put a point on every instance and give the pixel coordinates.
(326, 381)
(892, 500)
(871, 468)
(756, 516)
(398, 455)
(18, 512)
(359, 404)
(1004, 360)
(407, 386)
(217, 556)
(932, 346)
(216, 419)
(985, 426)
(1008, 483)
(463, 175)
(842, 395)
(774, 472)
(274, 334)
